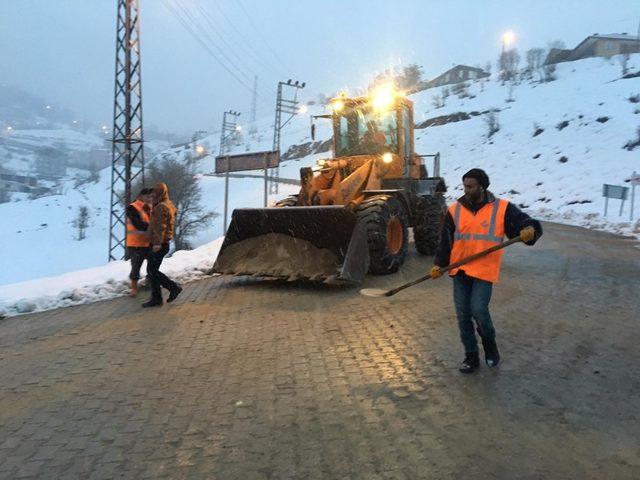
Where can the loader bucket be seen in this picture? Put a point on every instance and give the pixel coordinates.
(323, 243)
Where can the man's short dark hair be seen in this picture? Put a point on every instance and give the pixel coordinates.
(145, 191)
(479, 175)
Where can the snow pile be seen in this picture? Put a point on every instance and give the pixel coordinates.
(99, 283)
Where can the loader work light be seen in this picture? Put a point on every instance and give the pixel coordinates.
(383, 96)
(337, 106)
(387, 158)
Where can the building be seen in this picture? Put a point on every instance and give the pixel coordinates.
(457, 74)
(596, 45)
(21, 183)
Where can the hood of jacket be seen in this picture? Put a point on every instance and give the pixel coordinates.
(162, 192)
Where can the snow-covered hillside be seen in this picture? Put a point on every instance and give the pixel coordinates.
(586, 116)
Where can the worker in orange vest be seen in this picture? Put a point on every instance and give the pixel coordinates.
(477, 221)
(138, 216)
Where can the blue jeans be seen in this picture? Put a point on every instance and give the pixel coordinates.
(471, 298)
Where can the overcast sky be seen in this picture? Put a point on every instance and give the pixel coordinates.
(63, 50)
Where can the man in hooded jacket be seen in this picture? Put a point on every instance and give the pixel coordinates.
(160, 232)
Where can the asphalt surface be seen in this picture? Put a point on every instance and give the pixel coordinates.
(248, 379)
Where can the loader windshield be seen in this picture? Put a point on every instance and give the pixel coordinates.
(361, 131)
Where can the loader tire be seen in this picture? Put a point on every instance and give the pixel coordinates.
(290, 201)
(429, 215)
(385, 219)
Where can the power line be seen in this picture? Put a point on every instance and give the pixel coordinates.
(185, 24)
(255, 55)
(257, 30)
(206, 35)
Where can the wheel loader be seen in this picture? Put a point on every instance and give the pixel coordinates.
(353, 212)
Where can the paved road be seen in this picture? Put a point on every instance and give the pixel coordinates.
(242, 379)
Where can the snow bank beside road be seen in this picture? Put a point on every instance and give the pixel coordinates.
(99, 283)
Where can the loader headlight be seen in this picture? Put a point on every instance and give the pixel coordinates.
(387, 158)
(337, 105)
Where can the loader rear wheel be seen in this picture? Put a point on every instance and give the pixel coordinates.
(385, 219)
(290, 201)
(428, 221)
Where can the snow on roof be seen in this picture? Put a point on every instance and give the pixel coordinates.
(615, 36)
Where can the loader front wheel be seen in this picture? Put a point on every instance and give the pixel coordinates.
(385, 219)
(428, 221)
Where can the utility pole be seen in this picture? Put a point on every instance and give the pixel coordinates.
(289, 107)
(127, 154)
(253, 128)
(230, 128)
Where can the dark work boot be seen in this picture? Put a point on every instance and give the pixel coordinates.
(173, 293)
(491, 354)
(470, 363)
(153, 302)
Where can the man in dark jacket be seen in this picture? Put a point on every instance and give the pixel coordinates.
(138, 213)
(163, 219)
(477, 221)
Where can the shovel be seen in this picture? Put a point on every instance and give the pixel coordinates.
(377, 292)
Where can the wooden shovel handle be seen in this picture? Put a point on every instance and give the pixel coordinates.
(456, 264)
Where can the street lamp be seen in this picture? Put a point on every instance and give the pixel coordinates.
(508, 37)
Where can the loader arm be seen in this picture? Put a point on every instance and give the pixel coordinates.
(351, 188)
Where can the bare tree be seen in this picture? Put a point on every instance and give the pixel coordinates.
(81, 222)
(438, 101)
(487, 68)
(535, 57)
(624, 62)
(508, 62)
(186, 194)
(550, 72)
(492, 122)
(461, 90)
(410, 77)
(556, 44)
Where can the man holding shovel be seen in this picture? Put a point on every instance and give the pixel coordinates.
(475, 222)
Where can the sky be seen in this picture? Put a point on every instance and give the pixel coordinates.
(63, 50)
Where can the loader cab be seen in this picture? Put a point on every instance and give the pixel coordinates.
(363, 127)
(359, 130)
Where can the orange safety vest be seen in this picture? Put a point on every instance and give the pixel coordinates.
(474, 233)
(135, 237)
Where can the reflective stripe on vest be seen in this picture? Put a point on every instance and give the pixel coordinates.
(490, 237)
(475, 233)
(135, 237)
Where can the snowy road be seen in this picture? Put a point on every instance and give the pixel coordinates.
(254, 380)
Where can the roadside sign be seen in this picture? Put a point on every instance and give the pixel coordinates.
(247, 161)
(616, 192)
(242, 162)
